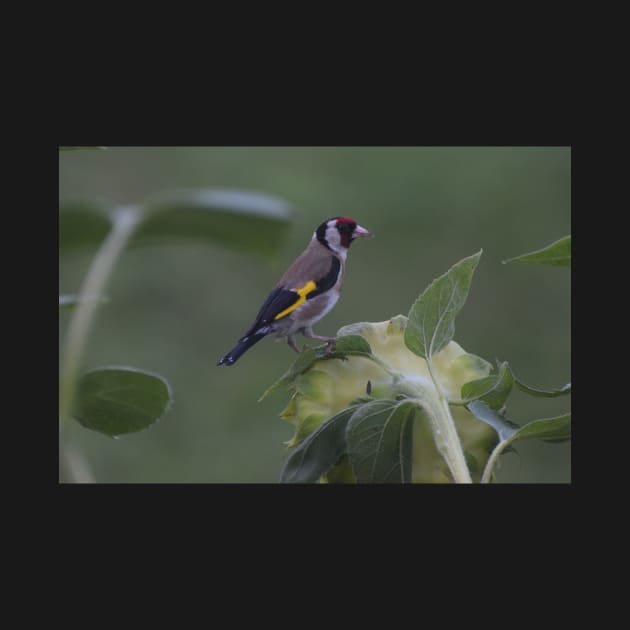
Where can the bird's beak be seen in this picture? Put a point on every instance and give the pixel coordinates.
(361, 231)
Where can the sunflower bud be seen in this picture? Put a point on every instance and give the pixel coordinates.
(391, 371)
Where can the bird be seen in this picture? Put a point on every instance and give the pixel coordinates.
(306, 292)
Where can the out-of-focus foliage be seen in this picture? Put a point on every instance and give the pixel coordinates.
(117, 400)
(252, 222)
(175, 308)
(126, 399)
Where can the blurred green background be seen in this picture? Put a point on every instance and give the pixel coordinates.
(177, 308)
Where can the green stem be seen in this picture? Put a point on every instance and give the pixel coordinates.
(447, 441)
(75, 467)
(443, 428)
(492, 460)
(125, 221)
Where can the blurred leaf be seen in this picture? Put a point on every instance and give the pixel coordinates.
(248, 221)
(68, 301)
(71, 300)
(318, 452)
(493, 390)
(115, 400)
(431, 323)
(543, 393)
(253, 222)
(379, 441)
(83, 224)
(78, 148)
(558, 254)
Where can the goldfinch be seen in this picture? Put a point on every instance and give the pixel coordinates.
(306, 292)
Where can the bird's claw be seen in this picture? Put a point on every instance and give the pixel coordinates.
(329, 347)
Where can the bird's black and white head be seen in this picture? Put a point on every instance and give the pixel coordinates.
(338, 233)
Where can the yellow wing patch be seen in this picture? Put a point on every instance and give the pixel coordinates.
(303, 292)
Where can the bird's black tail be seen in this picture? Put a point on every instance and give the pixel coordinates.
(243, 345)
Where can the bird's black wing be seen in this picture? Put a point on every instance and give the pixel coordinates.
(281, 300)
(277, 301)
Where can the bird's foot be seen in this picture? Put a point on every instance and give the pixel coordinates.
(330, 341)
(291, 342)
(329, 346)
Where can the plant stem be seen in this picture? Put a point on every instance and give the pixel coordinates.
(75, 466)
(445, 436)
(443, 428)
(125, 221)
(447, 441)
(487, 473)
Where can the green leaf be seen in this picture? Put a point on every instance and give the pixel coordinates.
(319, 451)
(431, 322)
(78, 148)
(247, 221)
(347, 346)
(350, 345)
(556, 429)
(71, 300)
(543, 393)
(83, 224)
(553, 429)
(305, 360)
(558, 254)
(379, 441)
(115, 400)
(493, 390)
(253, 222)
